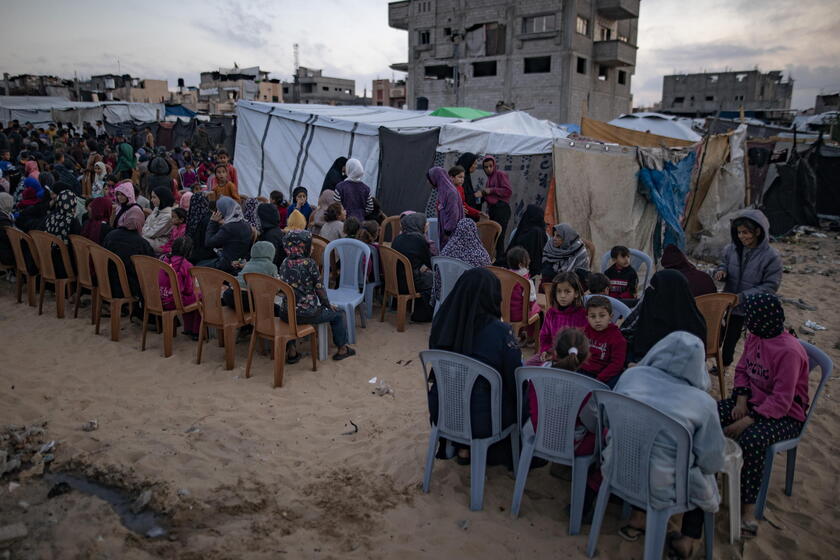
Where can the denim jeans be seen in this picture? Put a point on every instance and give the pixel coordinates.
(334, 318)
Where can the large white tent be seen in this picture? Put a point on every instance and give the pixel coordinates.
(515, 133)
(657, 123)
(45, 109)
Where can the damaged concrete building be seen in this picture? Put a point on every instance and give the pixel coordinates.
(556, 60)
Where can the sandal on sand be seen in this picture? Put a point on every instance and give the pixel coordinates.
(749, 529)
(630, 533)
(350, 352)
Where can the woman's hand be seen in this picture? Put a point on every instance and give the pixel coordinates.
(740, 409)
(735, 429)
(217, 217)
(720, 275)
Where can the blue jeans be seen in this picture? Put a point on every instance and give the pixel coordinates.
(334, 318)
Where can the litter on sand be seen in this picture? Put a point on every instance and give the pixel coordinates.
(815, 326)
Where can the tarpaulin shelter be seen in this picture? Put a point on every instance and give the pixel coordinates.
(791, 200)
(610, 133)
(179, 111)
(665, 180)
(42, 110)
(466, 113)
(658, 124)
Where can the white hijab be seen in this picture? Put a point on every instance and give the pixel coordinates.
(354, 169)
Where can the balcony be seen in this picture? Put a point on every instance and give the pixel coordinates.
(614, 53)
(617, 9)
(398, 14)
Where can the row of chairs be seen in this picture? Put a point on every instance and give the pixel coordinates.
(633, 426)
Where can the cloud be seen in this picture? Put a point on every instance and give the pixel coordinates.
(246, 24)
(704, 52)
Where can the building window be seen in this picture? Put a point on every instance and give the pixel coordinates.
(275, 99)
(538, 24)
(605, 33)
(581, 65)
(622, 77)
(740, 77)
(739, 98)
(447, 31)
(603, 73)
(538, 65)
(678, 101)
(582, 26)
(495, 39)
(285, 90)
(425, 37)
(439, 72)
(710, 98)
(484, 69)
(713, 78)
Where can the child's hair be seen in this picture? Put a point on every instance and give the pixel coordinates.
(369, 232)
(456, 170)
(182, 247)
(181, 213)
(571, 279)
(221, 152)
(277, 198)
(571, 349)
(351, 227)
(598, 283)
(333, 211)
(619, 251)
(751, 226)
(599, 301)
(518, 257)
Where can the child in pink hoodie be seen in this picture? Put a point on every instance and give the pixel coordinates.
(177, 259)
(770, 398)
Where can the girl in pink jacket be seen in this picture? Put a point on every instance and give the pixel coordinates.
(565, 310)
(177, 259)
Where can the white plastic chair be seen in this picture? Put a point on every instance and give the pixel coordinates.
(370, 287)
(350, 293)
(816, 357)
(637, 259)
(447, 271)
(633, 427)
(455, 376)
(433, 232)
(560, 394)
(619, 309)
(733, 460)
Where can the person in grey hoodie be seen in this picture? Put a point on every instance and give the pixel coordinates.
(672, 378)
(750, 266)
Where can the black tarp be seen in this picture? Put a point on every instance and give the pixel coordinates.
(791, 200)
(404, 160)
(828, 180)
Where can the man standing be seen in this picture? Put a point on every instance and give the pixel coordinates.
(497, 193)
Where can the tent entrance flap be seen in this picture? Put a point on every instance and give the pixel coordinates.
(404, 160)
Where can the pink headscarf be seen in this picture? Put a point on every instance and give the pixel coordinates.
(31, 168)
(127, 189)
(185, 200)
(133, 219)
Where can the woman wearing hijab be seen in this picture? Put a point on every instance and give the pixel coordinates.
(7, 202)
(124, 193)
(770, 398)
(30, 169)
(531, 236)
(465, 245)
(699, 282)
(319, 219)
(564, 252)
(159, 223)
(496, 194)
(469, 323)
(450, 209)
(271, 230)
(125, 159)
(249, 212)
(667, 306)
(469, 162)
(61, 222)
(32, 206)
(335, 175)
(184, 202)
(412, 243)
(98, 222)
(126, 242)
(198, 218)
(229, 233)
(352, 193)
(97, 179)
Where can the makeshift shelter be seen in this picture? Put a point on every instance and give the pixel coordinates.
(42, 110)
(466, 113)
(791, 200)
(176, 112)
(658, 124)
(610, 133)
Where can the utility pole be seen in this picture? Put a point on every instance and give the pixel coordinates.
(295, 78)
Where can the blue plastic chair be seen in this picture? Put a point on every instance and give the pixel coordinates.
(633, 428)
(816, 357)
(352, 255)
(560, 394)
(619, 309)
(370, 287)
(448, 270)
(433, 233)
(455, 376)
(637, 259)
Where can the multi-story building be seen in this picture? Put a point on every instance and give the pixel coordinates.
(311, 86)
(219, 90)
(556, 60)
(389, 94)
(826, 102)
(711, 93)
(29, 84)
(116, 87)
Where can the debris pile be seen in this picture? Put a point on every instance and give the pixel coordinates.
(25, 449)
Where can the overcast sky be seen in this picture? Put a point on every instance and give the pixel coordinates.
(351, 38)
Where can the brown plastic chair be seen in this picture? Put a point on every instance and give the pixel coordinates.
(319, 245)
(102, 260)
(394, 223)
(148, 269)
(390, 259)
(84, 278)
(45, 242)
(489, 233)
(262, 291)
(590, 248)
(509, 280)
(212, 283)
(21, 244)
(716, 309)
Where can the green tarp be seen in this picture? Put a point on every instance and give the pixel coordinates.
(460, 113)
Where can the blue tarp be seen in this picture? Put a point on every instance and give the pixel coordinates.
(667, 189)
(179, 111)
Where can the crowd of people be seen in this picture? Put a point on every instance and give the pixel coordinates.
(184, 207)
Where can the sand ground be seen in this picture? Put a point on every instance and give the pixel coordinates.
(241, 470)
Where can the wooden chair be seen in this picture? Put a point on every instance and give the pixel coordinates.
(84, 278)
(103, 260)
(262, 291)
(319, 245)
(23, 246)
(148, 271)
(5, 267)
(489, 233)
(391, 259)
(212, 283)
(716, 309)
(590, 248)
(509, 280)
(254, 235)
(396, 228)
(45, 242)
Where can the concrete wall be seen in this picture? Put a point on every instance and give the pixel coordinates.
(708, 93)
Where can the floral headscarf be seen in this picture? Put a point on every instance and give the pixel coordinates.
(249, 212)
(297, 245)
(765, 316)
(198, 214)
(465, 245)
(61, 215)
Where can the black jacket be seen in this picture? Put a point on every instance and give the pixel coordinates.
(125, 244)
(234, 240)
(271, 232)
